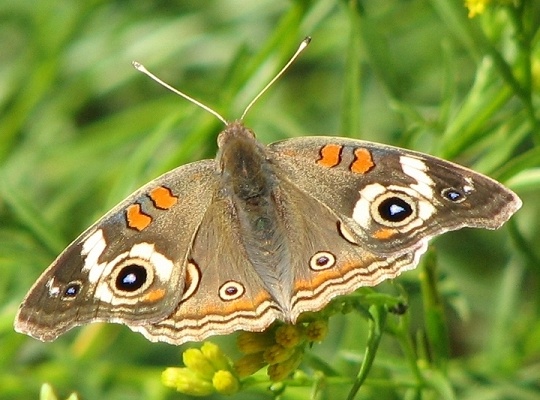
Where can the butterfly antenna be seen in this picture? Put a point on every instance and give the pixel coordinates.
(139, 67)
(300, 49)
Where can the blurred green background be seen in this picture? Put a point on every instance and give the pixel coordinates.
(80, 129)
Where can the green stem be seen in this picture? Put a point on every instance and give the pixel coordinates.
(376, 328)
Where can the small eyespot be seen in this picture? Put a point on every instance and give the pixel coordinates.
(454, 195)
(322, 260)
(72, 290)
(231, 290)
(131, 278)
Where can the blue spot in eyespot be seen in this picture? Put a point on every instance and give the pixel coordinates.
(72, 290)
(131, 278)
(453, 195)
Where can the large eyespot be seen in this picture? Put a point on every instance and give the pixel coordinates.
(137, 275)
(131, 277)
(393, 209)
(71, 290)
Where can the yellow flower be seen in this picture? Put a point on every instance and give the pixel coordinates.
(277, 353)
(280, 371)
(290, 336)
(47, 393)
(217, 358)
(207, 370)
(225, 382)
(316, 331)
(476, 7)
(186, 381)
(255, 342)
(249, 364)
(195, 360)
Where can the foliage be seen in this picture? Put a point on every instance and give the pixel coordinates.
(80, 129)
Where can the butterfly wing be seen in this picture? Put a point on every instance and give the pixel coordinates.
(390, 197)
(129, 267)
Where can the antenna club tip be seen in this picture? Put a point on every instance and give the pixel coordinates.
(137, 65)
(304, 43)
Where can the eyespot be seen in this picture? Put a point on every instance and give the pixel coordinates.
(231, 290)
(72, 290)
(131, 278)
(393, 209)
(322, 260)
(454, 195)
(126, 278)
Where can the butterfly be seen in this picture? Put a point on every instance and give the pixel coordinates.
(260, 233)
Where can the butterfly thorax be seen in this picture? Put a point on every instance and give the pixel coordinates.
(245, 171)
(248, 181)
(250, 187)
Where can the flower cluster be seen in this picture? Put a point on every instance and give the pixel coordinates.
(281, 348)
(207, 370)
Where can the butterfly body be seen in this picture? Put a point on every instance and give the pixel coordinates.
(258, 234)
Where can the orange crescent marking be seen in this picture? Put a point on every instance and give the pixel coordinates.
(363, 162)
(330, 155)
(154, 295)
(136, 219)
(162, 197)
(238, 305)
(316, 280)
(384, 233)
(321, 277)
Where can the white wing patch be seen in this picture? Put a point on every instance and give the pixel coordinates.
(93, 247)
(416, 169)
(163, 267)
(362, 208)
